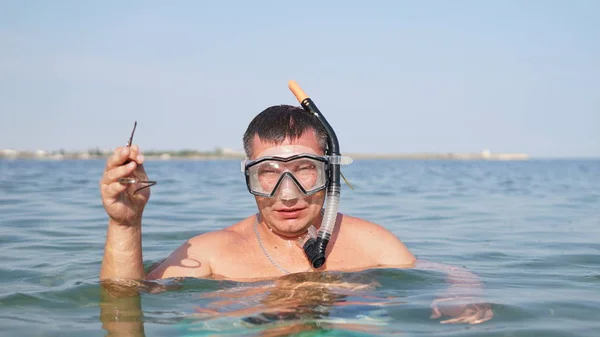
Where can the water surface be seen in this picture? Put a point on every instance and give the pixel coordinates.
(530, 230)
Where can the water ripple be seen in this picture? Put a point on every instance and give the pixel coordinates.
(529, 229)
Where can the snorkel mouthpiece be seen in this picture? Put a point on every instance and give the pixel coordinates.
(315, 251)
(315, 248)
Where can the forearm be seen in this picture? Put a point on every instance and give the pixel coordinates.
(463, 300)
(123, 253)
(460, 279)
(121, 315)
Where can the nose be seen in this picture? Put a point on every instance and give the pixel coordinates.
(288, 189)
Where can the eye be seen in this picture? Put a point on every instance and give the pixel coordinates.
(306, 167)
(267, 171)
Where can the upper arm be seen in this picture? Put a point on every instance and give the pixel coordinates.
(186, 261)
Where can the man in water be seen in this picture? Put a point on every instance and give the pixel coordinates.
(290, 195)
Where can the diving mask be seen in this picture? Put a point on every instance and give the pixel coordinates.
(310, 173)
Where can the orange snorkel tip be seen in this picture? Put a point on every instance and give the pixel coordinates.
(297, 91)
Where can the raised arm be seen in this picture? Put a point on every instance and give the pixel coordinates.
(123, 248)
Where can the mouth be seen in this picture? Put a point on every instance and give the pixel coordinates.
(290, 212)
(291, 209)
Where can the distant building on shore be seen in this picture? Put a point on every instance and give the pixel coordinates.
(9, 153)
(483, 155)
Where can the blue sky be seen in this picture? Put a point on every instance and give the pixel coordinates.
(390, 76)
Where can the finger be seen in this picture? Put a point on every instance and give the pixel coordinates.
(478, 314)
(435, 313)
(120, 155)
(487, 315)
(112, 191)
(474, 317)
(136, 155)
(453, 320)
(463, 318)
(119, 172)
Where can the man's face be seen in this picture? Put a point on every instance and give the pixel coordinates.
(289, 217)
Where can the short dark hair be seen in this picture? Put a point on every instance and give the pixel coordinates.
(278, 122)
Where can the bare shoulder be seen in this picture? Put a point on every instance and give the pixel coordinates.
(224, 241)
(378, 240)
(193, 257)
(361, 227)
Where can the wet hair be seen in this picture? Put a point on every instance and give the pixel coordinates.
(276, 123)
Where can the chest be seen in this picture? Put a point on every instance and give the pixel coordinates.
(248, 260)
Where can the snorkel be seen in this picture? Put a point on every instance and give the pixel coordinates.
(314, 248)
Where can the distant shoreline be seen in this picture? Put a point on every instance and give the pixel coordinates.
(355, 156)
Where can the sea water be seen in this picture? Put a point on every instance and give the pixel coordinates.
(529, 229)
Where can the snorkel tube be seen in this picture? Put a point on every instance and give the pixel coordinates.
(315, 248)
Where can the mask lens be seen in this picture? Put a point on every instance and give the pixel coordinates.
(309, 173)
(268, 174)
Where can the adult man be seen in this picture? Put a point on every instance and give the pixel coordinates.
(288, 174)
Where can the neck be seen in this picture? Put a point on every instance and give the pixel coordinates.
(269, 234)
(289, 257)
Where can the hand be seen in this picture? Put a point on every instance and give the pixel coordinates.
(462, 309)
(121, 204)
